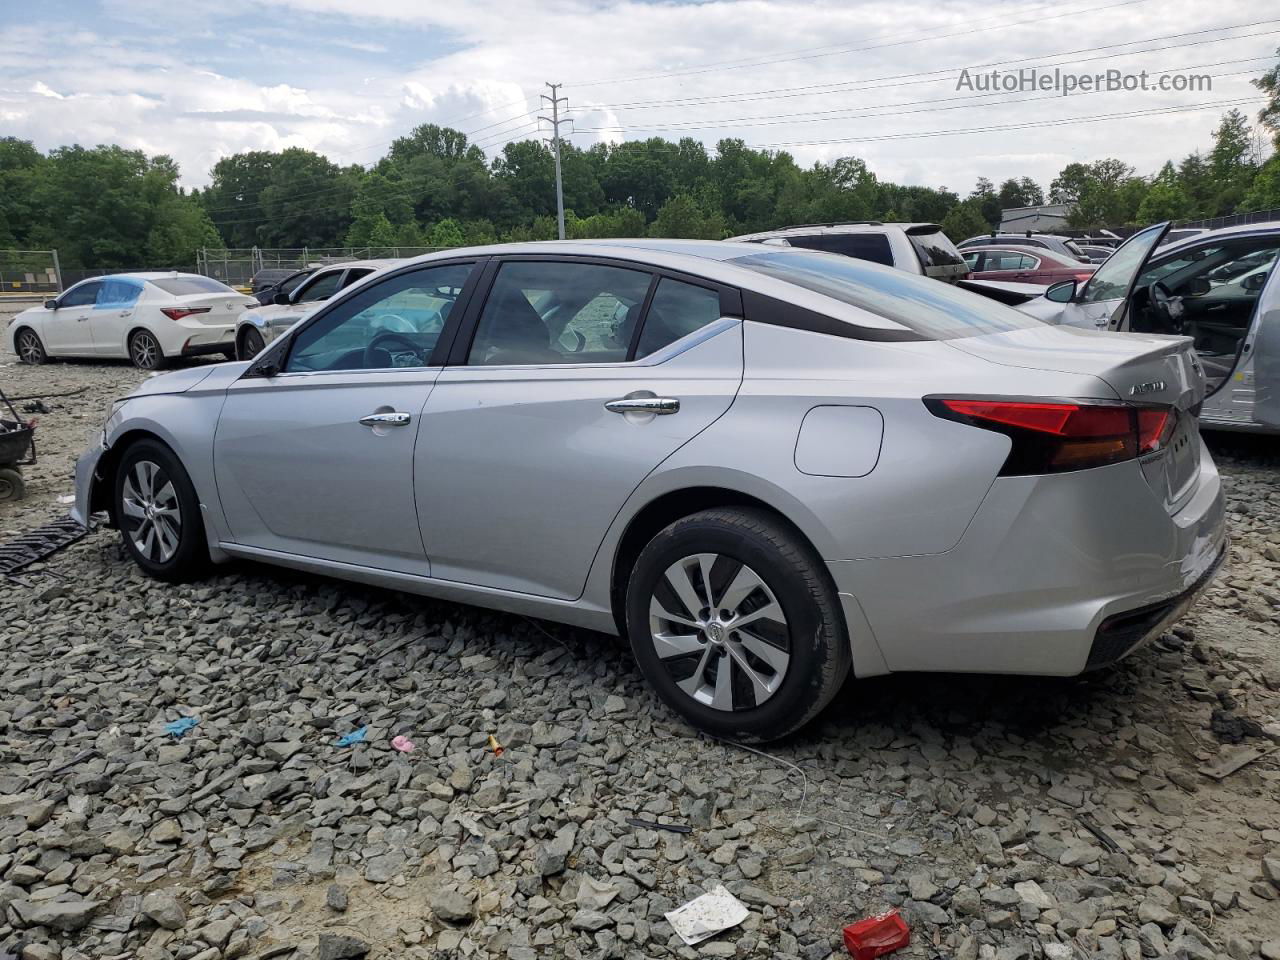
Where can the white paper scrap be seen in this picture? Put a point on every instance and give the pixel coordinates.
(707, 915)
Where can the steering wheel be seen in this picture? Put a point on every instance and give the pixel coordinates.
(1166, 305)
(376, 342)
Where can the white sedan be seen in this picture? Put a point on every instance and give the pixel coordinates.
(148, 318)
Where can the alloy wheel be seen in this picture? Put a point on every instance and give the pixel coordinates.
(144, 351)
(720, 632)
(29, 348)
(152, 517)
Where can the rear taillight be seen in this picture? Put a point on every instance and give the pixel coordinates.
(177, 313)
(1083, 276)
(1051, 437)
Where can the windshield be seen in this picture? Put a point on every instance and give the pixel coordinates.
(186, 286)
(1111, 280)
(925, 306)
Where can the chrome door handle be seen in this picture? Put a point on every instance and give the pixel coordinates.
(659, 405)
(386, 419)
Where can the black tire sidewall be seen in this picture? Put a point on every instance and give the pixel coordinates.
(817, 633)
(253, 343)
(28, 332)
(160, 358)
(192, 555)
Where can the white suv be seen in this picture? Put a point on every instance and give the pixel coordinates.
(919, 248)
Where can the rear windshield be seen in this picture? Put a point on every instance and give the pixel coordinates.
(925, 306)
(935, 249)
(185, 286)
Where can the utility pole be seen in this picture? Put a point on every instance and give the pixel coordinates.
(555, 122)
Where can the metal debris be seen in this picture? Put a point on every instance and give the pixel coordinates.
(35, 545)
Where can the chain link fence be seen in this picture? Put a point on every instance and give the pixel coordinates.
(29, 273)
(1234, 220)
(236, 266)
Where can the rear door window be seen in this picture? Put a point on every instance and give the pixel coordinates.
(677, 310)
(863, 246)
(118, 293)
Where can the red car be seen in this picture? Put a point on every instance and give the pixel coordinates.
(1024, 265)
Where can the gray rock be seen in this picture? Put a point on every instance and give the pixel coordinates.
(335, 898)
(163, 909)
(451, 906)
(336, 946)
(65, 915)
(590, 920)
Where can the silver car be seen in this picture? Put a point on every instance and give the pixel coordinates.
(766, 467)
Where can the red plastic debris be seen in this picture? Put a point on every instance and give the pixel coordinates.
(876, 936)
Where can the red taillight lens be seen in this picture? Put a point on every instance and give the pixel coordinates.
(177, 313)
(1053, 437)
(1083, 277)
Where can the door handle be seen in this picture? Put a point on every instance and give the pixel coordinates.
(658, 405)
(396, 419)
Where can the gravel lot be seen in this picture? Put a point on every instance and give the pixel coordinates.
(1007, 818)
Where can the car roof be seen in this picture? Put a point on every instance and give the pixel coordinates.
(1224, 233)
(870, 226)
(709, 259)
(348, 264)
(148, 275)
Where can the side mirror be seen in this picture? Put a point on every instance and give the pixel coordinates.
(1255, 282)
(280, 299)
(51, 304)
(1198, 287)
(1064, 291)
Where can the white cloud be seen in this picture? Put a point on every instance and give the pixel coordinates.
(347, 76)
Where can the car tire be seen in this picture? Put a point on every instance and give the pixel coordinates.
(29, 348)
(758, 684)
(156, 508)
(251, 344)
(145, 351)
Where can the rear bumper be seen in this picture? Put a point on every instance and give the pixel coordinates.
(200, 349)
(1045, 563)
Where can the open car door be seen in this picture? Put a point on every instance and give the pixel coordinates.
(1266, 355)
(1100, 303)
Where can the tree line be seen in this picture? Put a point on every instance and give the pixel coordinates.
(109, 207)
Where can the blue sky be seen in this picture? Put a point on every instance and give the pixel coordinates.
(347, 76)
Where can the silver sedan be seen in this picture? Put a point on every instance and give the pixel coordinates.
(767, 468)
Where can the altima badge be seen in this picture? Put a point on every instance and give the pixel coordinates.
(1151, 386)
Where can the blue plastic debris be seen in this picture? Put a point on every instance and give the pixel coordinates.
(180, 726)
(355, 736)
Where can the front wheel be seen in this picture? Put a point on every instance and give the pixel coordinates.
(30, 349)
(145, 351)
(735, 622)
(158, 513)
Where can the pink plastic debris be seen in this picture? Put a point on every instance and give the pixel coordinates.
(402, 743)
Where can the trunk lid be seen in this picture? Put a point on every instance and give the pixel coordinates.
(224, 308)
(1142, 369)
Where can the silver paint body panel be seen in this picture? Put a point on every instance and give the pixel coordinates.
(512, 487)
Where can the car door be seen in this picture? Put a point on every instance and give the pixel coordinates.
(316, 458)
(67, 331)
(113, 314)
(1099, 303)
(576, 379)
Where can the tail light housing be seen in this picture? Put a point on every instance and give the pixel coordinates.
(1061, 435)
(177, 313)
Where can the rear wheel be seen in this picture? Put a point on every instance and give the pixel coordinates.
(144, 350)
(30, 349)
(251, 344)
(734, 621)
(158, 513)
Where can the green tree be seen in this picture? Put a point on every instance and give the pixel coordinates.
(446, 233)
(682, 216)
(1264, 192)
(1269, 115)
(1164, 199)
(965, 220)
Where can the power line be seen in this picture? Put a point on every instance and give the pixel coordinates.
(924, 135)
(968, 102)
(929, 76)
(759, 62)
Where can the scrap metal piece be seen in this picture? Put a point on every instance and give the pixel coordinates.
(34, 545)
